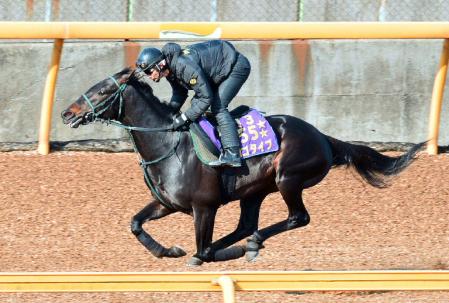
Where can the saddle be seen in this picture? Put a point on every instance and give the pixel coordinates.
(256, 135)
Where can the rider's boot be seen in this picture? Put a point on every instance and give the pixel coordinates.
(229, 157)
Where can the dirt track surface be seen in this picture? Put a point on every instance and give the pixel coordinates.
(71, 211)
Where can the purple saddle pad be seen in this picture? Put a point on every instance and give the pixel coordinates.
(256, 134)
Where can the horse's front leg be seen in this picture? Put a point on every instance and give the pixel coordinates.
(154, 210)
(204, 219)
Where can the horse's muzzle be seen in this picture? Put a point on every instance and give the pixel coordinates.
(69, 117)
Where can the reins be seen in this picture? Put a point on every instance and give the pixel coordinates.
(118, 95)
(144, 164)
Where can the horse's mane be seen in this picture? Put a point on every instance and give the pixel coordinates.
(142, 84)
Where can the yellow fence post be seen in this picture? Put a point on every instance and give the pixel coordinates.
(227, 286)
(437, 100)
(48, 99)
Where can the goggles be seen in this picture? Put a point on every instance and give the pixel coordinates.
(148, 69)
(145, 68)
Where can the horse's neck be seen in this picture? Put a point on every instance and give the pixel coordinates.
(152, 146)
(144, 109)
(150, 113)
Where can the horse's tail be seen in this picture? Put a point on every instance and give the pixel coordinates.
(373, 166)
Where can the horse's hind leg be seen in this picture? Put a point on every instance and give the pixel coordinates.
(297, 217)
(152, 211)
(248, 224)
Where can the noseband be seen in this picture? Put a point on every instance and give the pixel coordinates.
(114, 97)
(107, 103)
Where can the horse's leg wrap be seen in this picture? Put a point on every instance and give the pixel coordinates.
(206, 256)
(253, 245)
(156, 249)
(152, 211)
(298, 220)
(230, 253)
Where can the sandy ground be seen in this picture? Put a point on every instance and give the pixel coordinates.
(71, 211)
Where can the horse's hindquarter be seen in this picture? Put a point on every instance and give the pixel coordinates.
(304, 150)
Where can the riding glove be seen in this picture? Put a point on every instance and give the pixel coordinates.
(180, 121)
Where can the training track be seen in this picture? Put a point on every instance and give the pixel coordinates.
(70, 211)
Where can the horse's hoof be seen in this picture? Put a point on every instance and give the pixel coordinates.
(251, 255)
(175, 252)
(194, 261)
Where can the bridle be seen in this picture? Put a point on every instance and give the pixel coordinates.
(104, 105)
(107, 103)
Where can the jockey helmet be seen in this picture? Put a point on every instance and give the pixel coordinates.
(149, 58)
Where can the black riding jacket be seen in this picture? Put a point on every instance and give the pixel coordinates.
(200, 67)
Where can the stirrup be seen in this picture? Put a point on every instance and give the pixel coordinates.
(237, 162)
(221, 163)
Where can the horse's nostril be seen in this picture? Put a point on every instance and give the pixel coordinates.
(67, 114)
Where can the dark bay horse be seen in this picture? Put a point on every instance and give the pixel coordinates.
(180, 182)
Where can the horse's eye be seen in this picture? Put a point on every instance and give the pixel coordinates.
(102, 92)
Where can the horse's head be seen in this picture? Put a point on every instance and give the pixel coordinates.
(102, 101)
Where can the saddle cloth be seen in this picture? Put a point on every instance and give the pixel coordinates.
(256, 135)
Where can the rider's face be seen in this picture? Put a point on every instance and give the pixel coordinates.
(154, 75)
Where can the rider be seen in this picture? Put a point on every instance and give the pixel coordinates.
(215, 71)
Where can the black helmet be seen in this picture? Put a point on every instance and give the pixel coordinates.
(149, 58)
